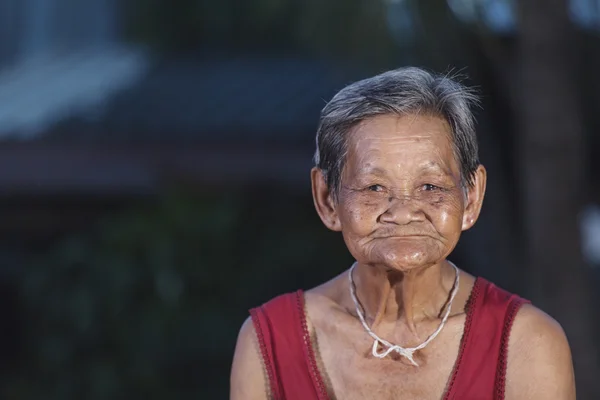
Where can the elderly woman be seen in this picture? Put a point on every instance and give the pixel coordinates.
(397, 173)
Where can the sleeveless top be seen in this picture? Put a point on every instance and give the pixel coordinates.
(479, 371)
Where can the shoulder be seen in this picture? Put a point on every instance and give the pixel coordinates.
(534, 333)
(326, 302)
(247, 335)
(539, 364)
(248, 379)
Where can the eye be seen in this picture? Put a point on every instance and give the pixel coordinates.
(376, 188)
(428, 187)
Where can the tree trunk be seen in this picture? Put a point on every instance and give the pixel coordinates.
(552, 163)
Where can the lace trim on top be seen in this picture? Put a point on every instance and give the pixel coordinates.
(469, 309)
(271, 376)
(309, 351)
(500, 382)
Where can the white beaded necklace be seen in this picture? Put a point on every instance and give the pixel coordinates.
(403, 351)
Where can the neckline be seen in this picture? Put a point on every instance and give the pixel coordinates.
(313, 367)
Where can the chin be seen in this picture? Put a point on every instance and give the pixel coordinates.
(408, 257)
(406, 264)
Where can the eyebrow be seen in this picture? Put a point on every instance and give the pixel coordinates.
(429, 166)
(432, 165)
(372, 171)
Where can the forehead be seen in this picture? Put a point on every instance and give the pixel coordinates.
(403, 139)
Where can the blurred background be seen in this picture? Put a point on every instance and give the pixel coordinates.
(154, 172)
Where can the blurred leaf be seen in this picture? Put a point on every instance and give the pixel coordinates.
(145, 297)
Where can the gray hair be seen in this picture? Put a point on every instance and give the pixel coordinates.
(402, 91)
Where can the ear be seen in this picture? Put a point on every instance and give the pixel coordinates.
(475, 196)
(324, 203)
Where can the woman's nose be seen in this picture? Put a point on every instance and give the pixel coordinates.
(401, 210)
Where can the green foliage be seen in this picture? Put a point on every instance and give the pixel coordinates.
(148, 303)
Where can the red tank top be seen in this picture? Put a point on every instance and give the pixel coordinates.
(479, 371)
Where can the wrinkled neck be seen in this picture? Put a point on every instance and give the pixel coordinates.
(407, 297)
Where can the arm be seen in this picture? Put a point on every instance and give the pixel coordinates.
(248, 380)
(539, 364)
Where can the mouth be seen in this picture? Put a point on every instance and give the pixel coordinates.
(404, 237)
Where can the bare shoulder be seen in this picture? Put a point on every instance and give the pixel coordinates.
(325, 300)
(539, 364)
(248, 379)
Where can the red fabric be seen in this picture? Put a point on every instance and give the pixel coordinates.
(287, 354)
(479, 372)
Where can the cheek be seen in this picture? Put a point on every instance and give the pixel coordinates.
(449, 224)
(360, 212)
(446, 212)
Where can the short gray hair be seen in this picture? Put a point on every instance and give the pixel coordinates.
(402, 91)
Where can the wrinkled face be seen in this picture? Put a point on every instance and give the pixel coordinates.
(401, 203)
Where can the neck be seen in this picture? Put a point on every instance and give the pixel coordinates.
(408, 297)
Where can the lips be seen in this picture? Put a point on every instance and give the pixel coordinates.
(404, 236)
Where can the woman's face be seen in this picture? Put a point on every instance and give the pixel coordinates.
(401, 202)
